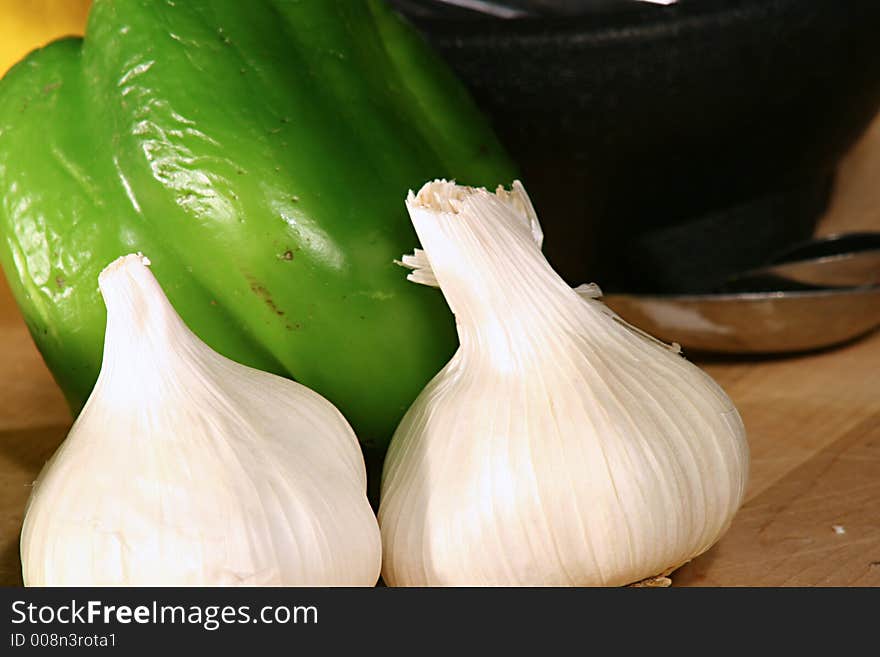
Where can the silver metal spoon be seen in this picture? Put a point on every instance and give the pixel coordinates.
(754, 323)
(842, 260)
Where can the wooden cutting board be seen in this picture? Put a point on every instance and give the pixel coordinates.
(812, 512)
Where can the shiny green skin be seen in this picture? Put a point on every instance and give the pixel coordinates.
(259, 154)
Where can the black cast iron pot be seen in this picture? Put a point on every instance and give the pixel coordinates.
(666, 147)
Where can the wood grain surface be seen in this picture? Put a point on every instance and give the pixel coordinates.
(812, 512)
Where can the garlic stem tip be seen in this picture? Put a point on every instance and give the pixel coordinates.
(133, 266)
(126, 262)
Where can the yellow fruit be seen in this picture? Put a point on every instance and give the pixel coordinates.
(29, 24)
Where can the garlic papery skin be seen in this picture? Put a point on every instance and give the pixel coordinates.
(186, 468)
(559, 446)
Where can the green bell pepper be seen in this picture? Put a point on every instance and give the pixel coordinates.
(259, 154)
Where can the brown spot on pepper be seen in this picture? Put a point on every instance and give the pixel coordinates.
(260, 290)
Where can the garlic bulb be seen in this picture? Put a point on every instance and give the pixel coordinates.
(559, 446)
(186, 468)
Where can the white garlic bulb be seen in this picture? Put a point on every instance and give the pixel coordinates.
(186, 468)
(559, 446)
